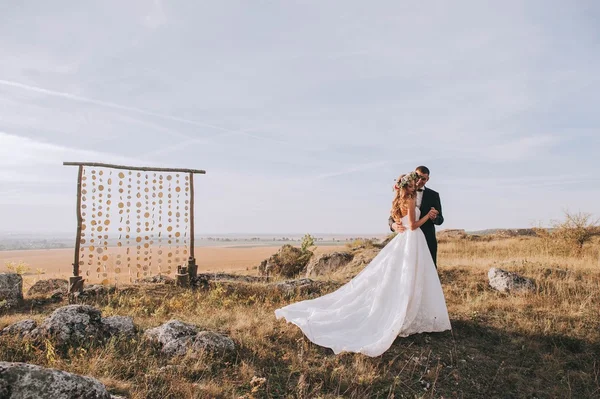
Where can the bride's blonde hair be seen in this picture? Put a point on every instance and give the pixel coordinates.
(399, 204)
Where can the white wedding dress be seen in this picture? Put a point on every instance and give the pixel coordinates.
(397, 294)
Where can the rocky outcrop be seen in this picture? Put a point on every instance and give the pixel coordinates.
(203, 279)
(46, 287)
(119, 326)
(504, 281)
(74, 324)
(20, 328)
(362, 258)
(328, 263)
(289, 261)
(158, 279)
(508, 233)
(11, 290)
(451, 234)
(171, 331)
(303, 286)
(178, 338)
(21, 380)
(204, 341)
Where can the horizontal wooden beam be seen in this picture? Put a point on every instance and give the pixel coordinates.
(146, 169)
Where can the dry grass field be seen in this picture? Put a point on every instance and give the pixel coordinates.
(56, 263)
(544, 344)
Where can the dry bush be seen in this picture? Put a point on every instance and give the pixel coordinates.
(576, 230)
(361, 243)
(19, 267)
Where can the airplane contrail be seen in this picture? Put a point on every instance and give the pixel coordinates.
(112, 105)
(73, 97)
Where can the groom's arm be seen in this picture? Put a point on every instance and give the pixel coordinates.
(400, 228)
(438, 206)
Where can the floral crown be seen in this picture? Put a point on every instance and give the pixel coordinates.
(412, 176)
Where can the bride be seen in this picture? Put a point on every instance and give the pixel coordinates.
(397, 294)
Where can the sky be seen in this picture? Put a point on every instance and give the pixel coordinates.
(303, 113)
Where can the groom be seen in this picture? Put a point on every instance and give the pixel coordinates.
(427, 201)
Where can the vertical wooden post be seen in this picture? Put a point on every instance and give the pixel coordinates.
(192, 266)
(76, 282)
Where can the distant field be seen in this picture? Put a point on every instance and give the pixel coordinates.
(56, 263)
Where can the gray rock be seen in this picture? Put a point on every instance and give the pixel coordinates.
(504, 281)
(288, 261)
(45, 287)
(327, 263)
(179, 338)
(205, 341)
(11, 290)
(119, 325)
(203, 280)
(95, 289)
(303, 286)
(289, 286)
(57, 295)
(213, 342)
(171, 331)
(21, 328)
(362, 258)
(231, 277)
(27, 381)
(158, 279)
(72, 324)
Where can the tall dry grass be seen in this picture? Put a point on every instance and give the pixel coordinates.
(544, 344)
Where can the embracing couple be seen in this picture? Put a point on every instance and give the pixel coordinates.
(397, 294)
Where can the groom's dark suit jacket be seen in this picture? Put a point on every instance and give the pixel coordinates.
(431, 199)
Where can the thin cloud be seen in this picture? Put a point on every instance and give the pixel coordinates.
(351, 169)
(112, 105)
(17, 151)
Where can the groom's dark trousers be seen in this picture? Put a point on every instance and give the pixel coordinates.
(431, 199)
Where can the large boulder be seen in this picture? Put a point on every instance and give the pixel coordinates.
(327, 263)
(451, 234)
(11, 290)
(178, 338)
(504, 281)
(362, 258)
(204, 341)
(72, 324)
(171, 331)
(27, 381)
(51, 286)
(119, 326)
(20, 328)
(289, 261)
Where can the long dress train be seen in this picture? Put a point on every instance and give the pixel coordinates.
(397, 294)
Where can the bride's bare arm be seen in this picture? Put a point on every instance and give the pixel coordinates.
(412, 215)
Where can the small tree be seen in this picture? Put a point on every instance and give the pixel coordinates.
(577, 229)
(17, 267)
(307, 242)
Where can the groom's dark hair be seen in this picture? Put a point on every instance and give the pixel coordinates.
(423, 169)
